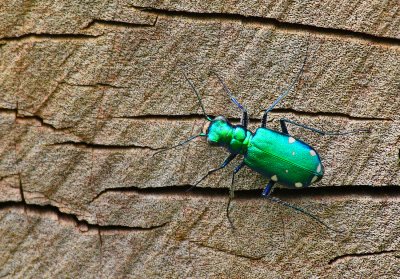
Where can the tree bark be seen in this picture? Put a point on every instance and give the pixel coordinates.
(90, 91)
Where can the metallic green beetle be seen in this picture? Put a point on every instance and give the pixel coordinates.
(274, 154)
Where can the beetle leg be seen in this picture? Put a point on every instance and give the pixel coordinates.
(283, 122)
(223, 165)
(232, 191)
(245, 118)
(267, 189)
(301, 210)
(283, 127)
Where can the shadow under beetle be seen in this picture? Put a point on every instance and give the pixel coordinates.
(274, 154)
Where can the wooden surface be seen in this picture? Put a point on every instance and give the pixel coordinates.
(90, 91)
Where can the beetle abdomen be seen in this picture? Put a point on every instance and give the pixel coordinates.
(283, 159)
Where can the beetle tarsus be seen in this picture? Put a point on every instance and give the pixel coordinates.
(301, 210)
(268, 188)
(223, 165)
(232, 192)
(227, 213)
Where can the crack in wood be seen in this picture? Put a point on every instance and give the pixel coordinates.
(41, 120)
(167, 191)
(115, 23)
(103, 146)
(330, 114)
(384, 193)
(31, 116)
(360, 255)
(95, 85)
(49, 36)
(287, 26)
(82, 225)
(195, 116)
(75, 36)
(279, 111)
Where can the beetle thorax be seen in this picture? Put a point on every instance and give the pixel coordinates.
(222, 133)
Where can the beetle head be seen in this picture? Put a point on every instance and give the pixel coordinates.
(217, 131)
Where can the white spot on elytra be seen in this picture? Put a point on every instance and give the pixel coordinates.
(314, 179)
(291, 140)
(319, 168)
(293, 153)
(286, 171)
(298, 184)
(312, 153)
(274, 178)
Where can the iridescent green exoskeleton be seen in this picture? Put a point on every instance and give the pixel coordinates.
(276, 155)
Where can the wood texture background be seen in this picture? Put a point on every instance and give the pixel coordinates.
(89, 90)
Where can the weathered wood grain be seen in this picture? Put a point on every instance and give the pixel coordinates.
(22, 19)
(197, 242)
(89, 92)
(368, 17)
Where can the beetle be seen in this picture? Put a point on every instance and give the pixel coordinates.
(274, 154)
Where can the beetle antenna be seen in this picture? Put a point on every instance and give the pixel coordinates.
(197, 95)
(228, 91)
(181, 143)
(294, 82)
(301, 210)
